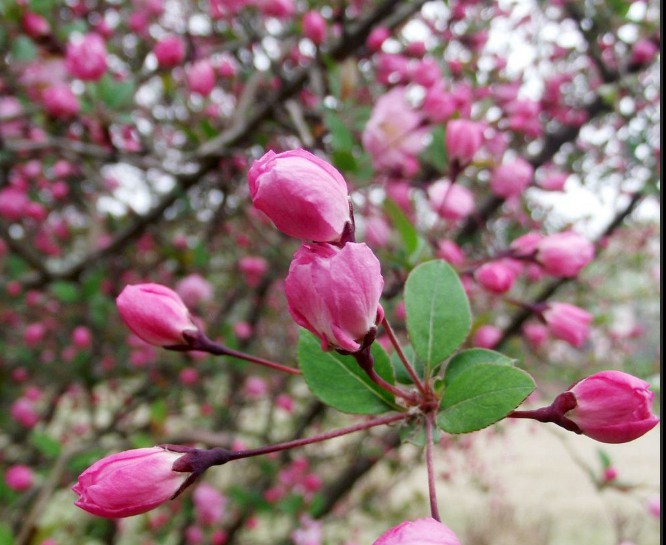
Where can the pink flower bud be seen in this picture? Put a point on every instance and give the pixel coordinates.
(81, 337)
(209, 504)
(568, 322)
(201, 77)
(553, 181)
(495, 276)
(377, 37)
(13, 203)
(35, 25)
(612, 407)
(426, 531)
(450, 201)
(334, 293)
(23, 411)
(395, 134)
(19, 478)
(129, 483)
(487, 336)
(610, 474)
(194, 289)
(377, 231)
(643, 51)
(511, 179)
(170, 51)
(450, 252)
(253, 269)
(155, 314)
(86, 57)
(281, 9)
(463, 139)
(564, 254)
(255, 388)
(303, 195)
(60, 101)
(314, 27)
(653, 506)
(535, 334)
(526, 245)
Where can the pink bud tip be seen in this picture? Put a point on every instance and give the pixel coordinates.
(155, 314)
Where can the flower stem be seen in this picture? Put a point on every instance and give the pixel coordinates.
(203, 343)
(403, 358)
(434, 510)
(366, 362)
(236, 455)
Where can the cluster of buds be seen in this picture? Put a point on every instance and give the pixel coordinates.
(334, 284)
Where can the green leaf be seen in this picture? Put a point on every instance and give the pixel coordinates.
(438, 314)
(482, 395)
(435, 153)
(43, 7)
(45, 444)
(338, 380)
(6, 535)
(401, 374)
(604, 458)
(342, 138)
(413, 242)
(475, 356)
(115, 94)
(23, 49)
(66, 292)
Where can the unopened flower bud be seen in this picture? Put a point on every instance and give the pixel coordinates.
(86, 57)
(564, 254)
(612, 407)
(463, 139)
(568, 322)
(495, 276)
(314, 27)
(334, 293)
(156, 314)
(426, 531)
(303, 195)
(511, 179)
(170, 51)
(129, 483)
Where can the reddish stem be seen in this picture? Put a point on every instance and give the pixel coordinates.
(318, 438)
(367, 362)
(432, 492)
(403, 358)
(205, 344)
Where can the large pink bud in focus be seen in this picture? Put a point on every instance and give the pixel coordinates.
(334, 293)
(612, 407)
(129, 483)
(450, 201)
(511, 179)
(303, 195)
(86, 57)
(156, 314)
(568, 322)
(463, 139)
(426, 531)
(564, 254)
